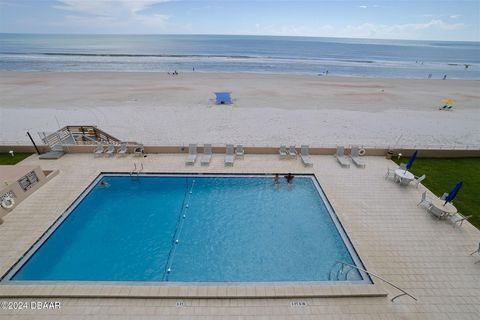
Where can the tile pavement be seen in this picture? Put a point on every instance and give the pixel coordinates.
(394, 238)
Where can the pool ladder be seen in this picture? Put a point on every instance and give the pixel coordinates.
(136, 171)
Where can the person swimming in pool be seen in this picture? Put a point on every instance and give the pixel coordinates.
(289, 177)
(276, 179)
(104, 184)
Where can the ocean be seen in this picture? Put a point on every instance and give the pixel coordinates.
(254, 54)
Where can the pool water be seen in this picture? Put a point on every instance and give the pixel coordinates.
(193, 228)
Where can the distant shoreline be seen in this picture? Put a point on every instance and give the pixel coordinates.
(333, 76)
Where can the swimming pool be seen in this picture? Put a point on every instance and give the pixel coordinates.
(193, 228)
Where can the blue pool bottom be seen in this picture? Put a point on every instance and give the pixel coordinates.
(194, 229)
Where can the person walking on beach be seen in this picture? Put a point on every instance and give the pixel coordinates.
(444, 77)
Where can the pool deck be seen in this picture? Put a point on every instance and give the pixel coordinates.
(393, 237)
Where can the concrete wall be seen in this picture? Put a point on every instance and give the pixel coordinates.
(21, 194)
(423, 153)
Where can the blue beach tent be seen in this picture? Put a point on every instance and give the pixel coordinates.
(223, 98)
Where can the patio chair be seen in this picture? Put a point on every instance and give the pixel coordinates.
(239, 152)
(139, 150)
(207, 155)
(390, 174)
(110, 150)
(122, 151)
(355, 156)
(476, 251)
(457, 219)
(425, 201)
(229, 158)
(340, 156)
(305, 155)
(436, 212)
(418, 180)
(292, 152)
(282, 152)
(99, 149)
(192, 154)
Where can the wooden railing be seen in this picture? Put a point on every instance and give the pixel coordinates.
(79, 135)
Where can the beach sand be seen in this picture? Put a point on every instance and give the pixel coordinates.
(268, 110)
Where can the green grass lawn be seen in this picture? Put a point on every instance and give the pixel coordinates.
(6, 158)
(443, 175)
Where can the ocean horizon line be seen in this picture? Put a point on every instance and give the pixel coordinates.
(238, 53)
(235, 35)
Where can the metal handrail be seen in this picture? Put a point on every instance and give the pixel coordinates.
(140, 170)
(134, 168)
(404, 293)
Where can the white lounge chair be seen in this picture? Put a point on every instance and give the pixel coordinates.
(239, 152)
(305, 155)
(476, 251)
(340, 156)
(390, 173)
(425, 201)
(355, 156)
(282, 152)
(457, 219)
(139, 150)
(110, 150)
(122, 151)
(192, 154)
(99, 149)
(418, 180)
(229, 158)
(292, 152)
(439, 214)
(207, 155)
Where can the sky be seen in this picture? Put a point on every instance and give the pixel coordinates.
(382, 19)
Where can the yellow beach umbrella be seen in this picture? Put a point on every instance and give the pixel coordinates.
(448, 102)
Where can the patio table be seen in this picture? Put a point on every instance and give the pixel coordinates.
(449, 208)
(405, 177)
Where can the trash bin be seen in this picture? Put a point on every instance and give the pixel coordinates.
(389, 154)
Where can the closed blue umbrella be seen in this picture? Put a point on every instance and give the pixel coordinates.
(412, 158)
(452, 194)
